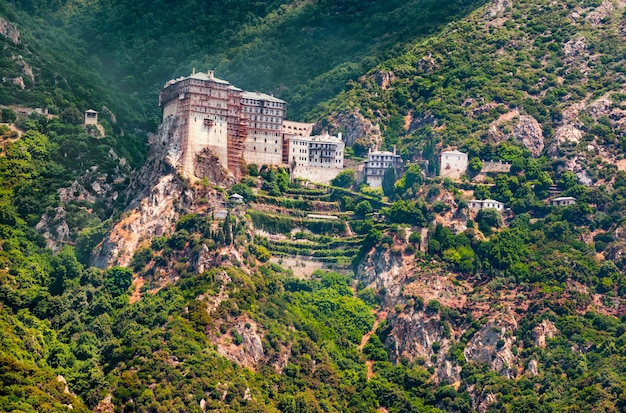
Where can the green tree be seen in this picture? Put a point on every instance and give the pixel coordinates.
(407, 212)
(389, 179)
(345, 179)
(8, 115)
(72, 115)
(244, 190)
(488, 218)
(475, 165)
(481, 192)
(117, 280)
(362, 209)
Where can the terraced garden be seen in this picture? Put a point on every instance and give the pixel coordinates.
(307, 225)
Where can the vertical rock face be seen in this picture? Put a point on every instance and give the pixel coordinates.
(54, 229)
(492, 346)
(154, 215)
(528, 131)
(157, 196)
(356, 128)
(543, 331)
(417, 334)
(384, 79)
(383, 271)
(8, 30)
(413, 334)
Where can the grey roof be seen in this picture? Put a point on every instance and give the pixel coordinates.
(237, 196)
(261, 96)
(454, 152)
(297, 128)
(318, 138)
(194, 75)
(564, 198)
(482, 201)
(90, 111)
(204, 76)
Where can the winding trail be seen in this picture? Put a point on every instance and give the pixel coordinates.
(380, 316)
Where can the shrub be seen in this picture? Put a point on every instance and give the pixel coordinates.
(433, 307)
(345, 179)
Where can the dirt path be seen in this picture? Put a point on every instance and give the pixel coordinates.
(380, 316)
(136, 296)
(349, 231)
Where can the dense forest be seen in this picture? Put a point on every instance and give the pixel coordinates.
(303, 51)
(406, 301)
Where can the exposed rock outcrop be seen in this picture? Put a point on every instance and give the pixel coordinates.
(76, 192)
(8, 30)
(427, 64)
(54, 228)
(528, 131)
(575, 47)
(597, 16)
(105, 406)
(543, 331)
(153, 216)
(384, 271)
(208, 166)
(413, 335)
(384, 79)
(599, 108)
(26, 68)
(533, 368)
(497, 8)
(422, 120)
(19, 82)
(483, 401)
(247, 353)
(492, 345)
(356, 127)
(157, 195)
(569, 132)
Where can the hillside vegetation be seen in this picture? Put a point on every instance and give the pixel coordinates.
(302, 51)
(317, 298)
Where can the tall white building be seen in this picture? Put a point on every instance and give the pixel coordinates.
(318, 158)
(265, 115)
(453, 164)
(378, 162)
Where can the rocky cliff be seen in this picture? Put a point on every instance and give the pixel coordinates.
(444, 321)
(157, 194)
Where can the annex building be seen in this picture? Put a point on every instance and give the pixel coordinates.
(453, 164)
(378, 162)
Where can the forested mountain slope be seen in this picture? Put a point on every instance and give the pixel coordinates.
(303, 51)
(429, 306)
(544, 74)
